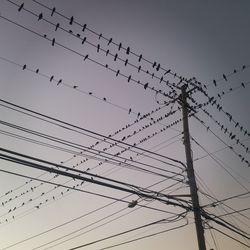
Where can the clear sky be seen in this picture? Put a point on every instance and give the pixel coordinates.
(208, 40)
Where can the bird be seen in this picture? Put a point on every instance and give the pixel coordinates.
(40, 16)
(53, 41)
(100, 36)
(107, 52)
(86, 57)
(140, 57)
(57, 26)
(243, 85)
(90, 93)
(129, 78)
(110, 41)
(161, 79)
(98, 47)
(138, 114)
(53, 11)
(128, 51)
(115, 57)
(126, 62)
(20, 7)
(117, 72)
(71, 20)
(37, 207)
(158, 67)
(139, 68)
(145, 85)
(120, 46)
(37, 71)
(129, 111)
(84, 39)
(244, 66)
(24, 66)
(75, 86)
(51, 78)
(214, 81)
(224, 76)
(104, 99)
(59, 82)
(84, 27)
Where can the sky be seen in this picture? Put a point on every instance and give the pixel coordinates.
(49, 65)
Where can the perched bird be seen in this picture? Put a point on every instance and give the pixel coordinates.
(129, 111)
(57, 26)
(115, 57)
(126, 62)
(86, 57)
(244, 66)
(20, 7)
(75, 86)
(37, 207)
(145, 85)
(214, 81)
(90, 93)
(71, 20)
(120, 46)
(161, 79)
(117, 72)
(53, 11)
(100, 36)
(110, 41)
(128, 51)
(140, 57)
(243, 85)
(129, 78)
(37, 71)
(59, 82)
(40, 16)
(98, 47)
(139, 68)
(24, 66)
(84, 39)
(84, 27)
(158, 67)
(154, 64)
(224, 76)
(51, 78)
(107, 52)
(53, 41)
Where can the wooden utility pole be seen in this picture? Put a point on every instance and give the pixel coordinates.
(190, 173)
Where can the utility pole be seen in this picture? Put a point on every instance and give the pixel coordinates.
(190, 173)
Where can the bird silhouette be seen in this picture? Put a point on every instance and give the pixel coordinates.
(53, 11)
(117, 72)
(86, 57)
(139, 68)
(71, 20)
(40, 16)
(84, 40)
(53, 41)
(244, 66)
(37, 71)
(140, 57)
(145, 85)
(115, 57)
(59, 82)
(126, 62)
(129, 111)
(84, 27)
(224, 76)
(57, 26)
(128, 51)
(98, 47)
(158, 67)
(51, 78)
(243, 85)
(75, 86)
(20, 7)
(24, 66)
(107, 52)
(214, 81)
(129, 78)
(37, 207)
(154, 64)
(90, 93)
(110, 41)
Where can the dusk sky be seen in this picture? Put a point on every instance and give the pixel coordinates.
(85, 82)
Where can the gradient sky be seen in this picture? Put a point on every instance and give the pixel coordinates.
(202, 39)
